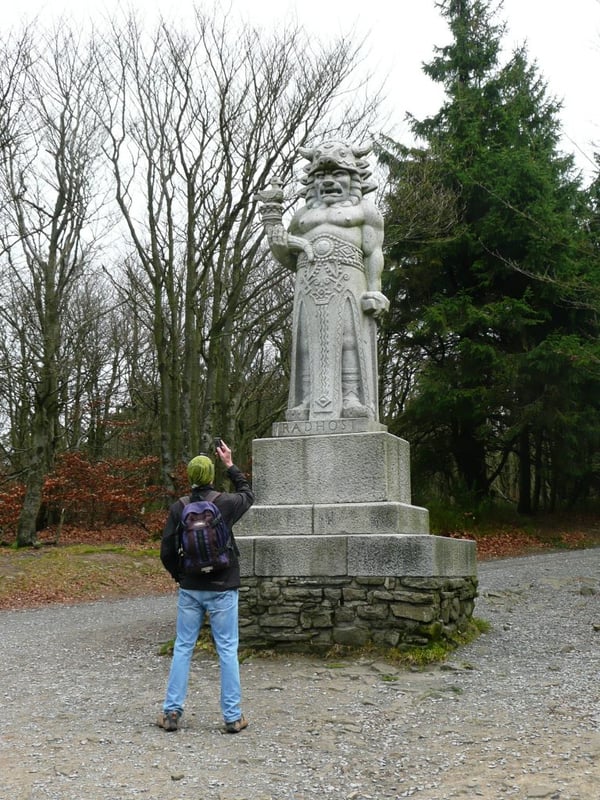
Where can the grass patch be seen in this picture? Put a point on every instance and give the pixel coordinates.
(340, 656)
(437, 652)
(78, 573)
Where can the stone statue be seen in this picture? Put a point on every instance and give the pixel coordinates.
(334, 244)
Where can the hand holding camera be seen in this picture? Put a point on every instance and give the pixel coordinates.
(223, 451)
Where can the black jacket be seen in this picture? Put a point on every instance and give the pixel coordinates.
(232, 506)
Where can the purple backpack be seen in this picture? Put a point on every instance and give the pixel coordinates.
(205, 544)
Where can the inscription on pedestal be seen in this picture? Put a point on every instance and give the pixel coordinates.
(326, 427)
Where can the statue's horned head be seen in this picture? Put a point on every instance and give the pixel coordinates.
(333, 153)
(337, 154)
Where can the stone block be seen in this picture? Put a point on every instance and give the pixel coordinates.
(333, 519)
(376, 611)
(361, 518)
(279, 621)
(304, 594)
(246, 548)
(353, 468)
(424, 613)
(351, 594)
(351, 636)
(358, 555)
(265, 520)
(343, 614)
(425, 555)
(316, 619)
(300, 555)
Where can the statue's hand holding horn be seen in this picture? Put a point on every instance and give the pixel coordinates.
(272, 214)
(280, 238)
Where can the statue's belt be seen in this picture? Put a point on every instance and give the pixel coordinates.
(327, 249)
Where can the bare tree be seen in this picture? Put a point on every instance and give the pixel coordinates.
(199, 122)
(50, 197)
(95, 355)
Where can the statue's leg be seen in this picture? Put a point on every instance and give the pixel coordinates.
(298, 403)
(352, 387)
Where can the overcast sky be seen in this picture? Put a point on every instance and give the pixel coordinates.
(564, 39)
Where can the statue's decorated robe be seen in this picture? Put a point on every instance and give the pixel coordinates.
(334, 372)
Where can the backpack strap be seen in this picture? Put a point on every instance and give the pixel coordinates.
(211, 495)
(184, 502)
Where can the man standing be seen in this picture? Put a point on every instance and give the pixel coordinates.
(215, 593)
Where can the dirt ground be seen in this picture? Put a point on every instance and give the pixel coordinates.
(515, 714)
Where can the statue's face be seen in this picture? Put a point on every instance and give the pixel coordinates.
(332, 185)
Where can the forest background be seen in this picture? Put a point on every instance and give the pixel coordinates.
(142, 313)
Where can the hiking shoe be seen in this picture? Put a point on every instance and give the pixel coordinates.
(169, 720)
(236, 726)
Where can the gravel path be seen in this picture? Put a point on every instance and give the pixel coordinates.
(516, 714)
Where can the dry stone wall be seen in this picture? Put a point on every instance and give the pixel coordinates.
(303, 612)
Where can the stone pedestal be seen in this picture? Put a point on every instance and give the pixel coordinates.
(338, 507)
(333, 548)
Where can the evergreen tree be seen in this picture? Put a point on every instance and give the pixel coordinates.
(493, 352)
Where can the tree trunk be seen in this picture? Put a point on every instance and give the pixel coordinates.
(524, 457)
(469, 454)
(538, 473)
(34, 484)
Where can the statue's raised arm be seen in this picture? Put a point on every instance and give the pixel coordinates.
(334, 243)
(282, 245)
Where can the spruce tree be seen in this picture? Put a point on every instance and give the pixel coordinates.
(479, 317)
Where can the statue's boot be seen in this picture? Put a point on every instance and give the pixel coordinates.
(352, 408)
(351, 404)
(297, 413)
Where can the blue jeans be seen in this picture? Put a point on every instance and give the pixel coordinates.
(223, 610)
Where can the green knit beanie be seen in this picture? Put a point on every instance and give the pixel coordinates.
(201, 471)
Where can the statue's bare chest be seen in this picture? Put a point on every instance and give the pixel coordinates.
(343, 221)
